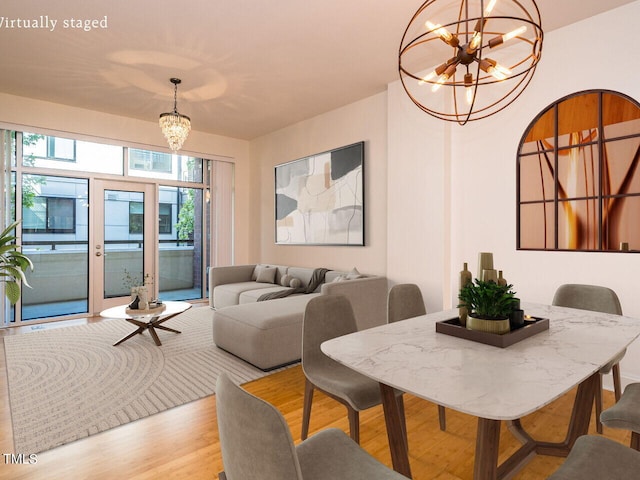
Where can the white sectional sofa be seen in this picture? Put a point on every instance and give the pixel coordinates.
(268, 333)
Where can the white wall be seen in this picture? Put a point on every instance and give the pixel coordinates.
(418, 199)
(366, 121)
(60, 119)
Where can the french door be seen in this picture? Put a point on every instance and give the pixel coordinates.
(123, 251)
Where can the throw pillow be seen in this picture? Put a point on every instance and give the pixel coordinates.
(340, 278)
(285, 280)
(266, 274)
(353, 274)
(295, 283)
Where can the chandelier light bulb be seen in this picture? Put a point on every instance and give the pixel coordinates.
(446, 36)
(428, 77)
(514, 33)
(448, 73)
(475, 42)
(489, 8)
(469, 88)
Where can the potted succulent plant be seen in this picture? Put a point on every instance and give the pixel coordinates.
(489, 305)
(13, 264)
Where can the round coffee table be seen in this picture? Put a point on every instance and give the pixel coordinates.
(147, 319)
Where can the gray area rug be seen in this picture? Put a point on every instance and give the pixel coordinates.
(69, 383)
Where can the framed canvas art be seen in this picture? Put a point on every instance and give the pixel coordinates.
(320, 198)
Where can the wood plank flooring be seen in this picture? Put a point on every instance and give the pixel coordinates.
(182, 443)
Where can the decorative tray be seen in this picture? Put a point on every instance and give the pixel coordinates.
(149, 311)
(532, 325)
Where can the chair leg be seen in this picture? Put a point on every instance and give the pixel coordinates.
(354, 424)
(442, 418)
(222, 476)
(598, 401)
(306, 409)
(635, 441)
(617, 387)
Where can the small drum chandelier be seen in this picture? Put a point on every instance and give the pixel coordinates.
(175, 126)
(488, 51)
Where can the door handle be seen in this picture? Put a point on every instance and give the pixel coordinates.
(98, 254)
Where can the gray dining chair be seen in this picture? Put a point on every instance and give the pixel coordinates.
(327, 317)
(596, 299)
(625, 414)
(597, 458)
(405, 301)
(256, 443)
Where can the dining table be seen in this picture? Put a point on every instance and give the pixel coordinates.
(491, 383)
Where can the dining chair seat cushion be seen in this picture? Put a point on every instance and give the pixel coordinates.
(625, 414)
(332, 454)
(596, 458)
(359, 391)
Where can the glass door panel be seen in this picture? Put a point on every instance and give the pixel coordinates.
(124, 243)
(181, 246)
(55, 236)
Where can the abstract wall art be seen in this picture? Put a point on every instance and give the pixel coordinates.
(320, 199)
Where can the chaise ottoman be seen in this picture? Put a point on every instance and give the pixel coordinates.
(266, 334)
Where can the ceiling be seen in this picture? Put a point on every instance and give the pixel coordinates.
(248, 67)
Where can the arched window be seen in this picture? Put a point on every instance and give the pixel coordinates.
(578, 175)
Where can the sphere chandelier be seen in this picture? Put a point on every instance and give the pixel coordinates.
(464, 60)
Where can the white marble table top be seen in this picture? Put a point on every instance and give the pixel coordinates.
(483, 380)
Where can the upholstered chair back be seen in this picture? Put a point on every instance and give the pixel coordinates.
(325, 317)
(254, 437)
(587, 297)
(405, 301)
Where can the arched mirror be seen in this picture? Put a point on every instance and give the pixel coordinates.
(578, 178)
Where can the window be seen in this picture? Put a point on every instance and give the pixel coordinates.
(50, 215)
(150, 161)
(164, 218)
(61, 148)
(136, 217)
(578, 181)
(42, 151)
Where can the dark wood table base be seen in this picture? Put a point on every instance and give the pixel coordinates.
(488, 436)
(153, 324)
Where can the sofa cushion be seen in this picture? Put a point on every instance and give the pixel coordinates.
(266, 274)
(251, 296)
(281, 270)
(304, 274)
(229, 294)
(354, 274)
(265, 334)
(332, 275)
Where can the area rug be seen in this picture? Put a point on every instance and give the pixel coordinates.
(69, 383)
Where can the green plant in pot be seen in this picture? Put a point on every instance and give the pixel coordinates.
(489, 305)
(13, 264)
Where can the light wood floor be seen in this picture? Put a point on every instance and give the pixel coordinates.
(182, 443)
